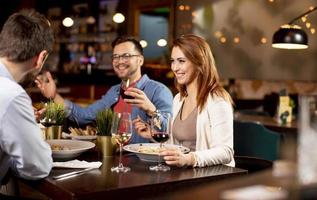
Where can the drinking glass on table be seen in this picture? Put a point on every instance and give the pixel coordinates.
(121, 131)
(45, 120)
(160, 132)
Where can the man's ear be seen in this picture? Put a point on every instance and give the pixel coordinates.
(141, 60)
(41, 59)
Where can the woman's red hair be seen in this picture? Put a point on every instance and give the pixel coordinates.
(197, 50)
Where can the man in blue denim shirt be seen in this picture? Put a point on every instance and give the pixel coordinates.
(146, 95)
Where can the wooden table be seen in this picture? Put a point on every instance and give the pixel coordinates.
(270, 123)
(139, 182)
(215, 190)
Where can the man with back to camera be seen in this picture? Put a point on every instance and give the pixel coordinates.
(147, 95)
(25, 42)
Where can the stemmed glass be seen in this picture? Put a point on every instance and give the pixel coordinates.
(160, 131)
(46, 122)
(121, 130)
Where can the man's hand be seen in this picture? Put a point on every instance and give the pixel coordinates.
(47, 85)
(38, 113)
(140, 100)
(142, 128)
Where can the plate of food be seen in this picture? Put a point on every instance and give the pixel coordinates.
(68, 149)
(149, 151)
(90, 133)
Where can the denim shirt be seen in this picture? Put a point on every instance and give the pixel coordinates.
(156, 92)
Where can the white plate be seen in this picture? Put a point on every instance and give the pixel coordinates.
(74, 148)
(84, 137)
(79, 137)
(151, 156)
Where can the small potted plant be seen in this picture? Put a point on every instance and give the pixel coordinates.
(104, 139)
(53, 120)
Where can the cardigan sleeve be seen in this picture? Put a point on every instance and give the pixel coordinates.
(215, 143)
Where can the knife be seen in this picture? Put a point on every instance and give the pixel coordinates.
(71, 174)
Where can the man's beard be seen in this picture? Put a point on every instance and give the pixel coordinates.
(131, 71)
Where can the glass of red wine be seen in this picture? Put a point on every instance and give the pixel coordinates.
(123, 89)
(160, 132)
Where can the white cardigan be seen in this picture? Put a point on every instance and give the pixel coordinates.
(214, 132)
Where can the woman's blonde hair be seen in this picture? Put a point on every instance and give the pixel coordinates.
(197, 50)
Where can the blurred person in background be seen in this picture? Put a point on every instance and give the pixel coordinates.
(203, 113)
(25, 42)
(136, 94)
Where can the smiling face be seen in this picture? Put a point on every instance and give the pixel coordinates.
(127, 61)
(182, 67)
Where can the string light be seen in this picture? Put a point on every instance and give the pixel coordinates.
(263, 40)
(236, 40)
(223, 39)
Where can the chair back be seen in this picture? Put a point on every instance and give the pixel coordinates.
(9, 185)
(254, 140)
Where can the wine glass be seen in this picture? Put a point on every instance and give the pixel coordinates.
(45, 121)
(123, 89)
(121, 130)
(160, 132)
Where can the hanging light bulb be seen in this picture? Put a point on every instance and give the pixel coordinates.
(161, 42)
(90, 20)
(118, 18)
(143, 43)
(68, 22)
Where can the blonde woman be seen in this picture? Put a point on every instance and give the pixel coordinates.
(203, 114)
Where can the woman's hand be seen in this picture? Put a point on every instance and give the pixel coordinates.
(47, 85)
(142, 128)
(177, 158)
(140, 100)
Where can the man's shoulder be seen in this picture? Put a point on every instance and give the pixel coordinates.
(114, 88)
(9, 87)
(154, 83)
(10, 92)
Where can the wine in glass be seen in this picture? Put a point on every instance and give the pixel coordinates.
(121, 130)
(160, 131)
(122, 90)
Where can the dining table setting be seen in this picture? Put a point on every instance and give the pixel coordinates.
(97, 181)
(88, 175)
(82, 169)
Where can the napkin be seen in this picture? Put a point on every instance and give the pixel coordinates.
(77, 164)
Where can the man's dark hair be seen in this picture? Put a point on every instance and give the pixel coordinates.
(122, 39)
(24, 35)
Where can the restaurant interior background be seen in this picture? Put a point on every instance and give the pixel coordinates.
(239, 32)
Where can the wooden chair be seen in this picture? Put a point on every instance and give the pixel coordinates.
(9, 186)
(9, 189)
(255, 146)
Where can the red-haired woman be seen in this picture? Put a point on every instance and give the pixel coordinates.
(203, 114)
